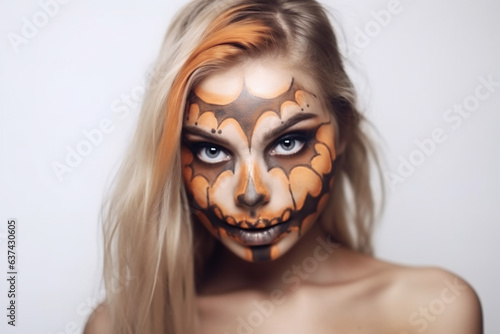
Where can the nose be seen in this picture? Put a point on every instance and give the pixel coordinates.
(250, 197)
(251, 192)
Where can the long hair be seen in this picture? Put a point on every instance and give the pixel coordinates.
(149, 239)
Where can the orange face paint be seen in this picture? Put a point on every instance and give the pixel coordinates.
(257, 159)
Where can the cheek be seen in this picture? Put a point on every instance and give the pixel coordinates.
(207, 223)
(220, 193)
(313, 215)
(325, 136)
(304, 181)
(311, 181)
(281, 202)
(197, 185)
(307, 180)
(200, 180)
(322, 163)
(187, 170)
(199, 189)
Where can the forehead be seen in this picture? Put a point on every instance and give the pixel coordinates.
(263, 79)
(252, 98)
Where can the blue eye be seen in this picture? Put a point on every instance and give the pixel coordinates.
(288, 145)
(211, 154)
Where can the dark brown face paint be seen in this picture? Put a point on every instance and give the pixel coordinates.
(209, 171)
(246, 109)
(250, 197)
(261, 253)
(295, 219)
(201, 178)
(303, 158)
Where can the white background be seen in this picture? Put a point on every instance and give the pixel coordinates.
(85, 62)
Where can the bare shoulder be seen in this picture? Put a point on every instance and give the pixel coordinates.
(98, 322)
(429, 299)
(410, 300)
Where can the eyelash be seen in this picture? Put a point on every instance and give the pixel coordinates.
(299, 138)
(201, 148)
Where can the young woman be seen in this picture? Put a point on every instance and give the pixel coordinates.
(244, 204)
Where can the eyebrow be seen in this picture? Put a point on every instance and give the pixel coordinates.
(191, 130)
(288, 123)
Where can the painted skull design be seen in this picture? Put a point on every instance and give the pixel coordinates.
(258, 158)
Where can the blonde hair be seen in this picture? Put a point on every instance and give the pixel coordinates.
(149, 263)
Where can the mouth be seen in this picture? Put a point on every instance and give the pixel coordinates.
(258, 237)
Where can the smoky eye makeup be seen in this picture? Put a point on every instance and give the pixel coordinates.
(291, 144)
(208, 152)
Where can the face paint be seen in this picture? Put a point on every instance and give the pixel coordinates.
(258, 159)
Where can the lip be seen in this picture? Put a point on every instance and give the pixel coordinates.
(258, 237)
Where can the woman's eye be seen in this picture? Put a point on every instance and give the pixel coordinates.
(212, 154)
(288, 145)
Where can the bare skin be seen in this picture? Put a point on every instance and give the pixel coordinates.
(295, 279)
(346, 293)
